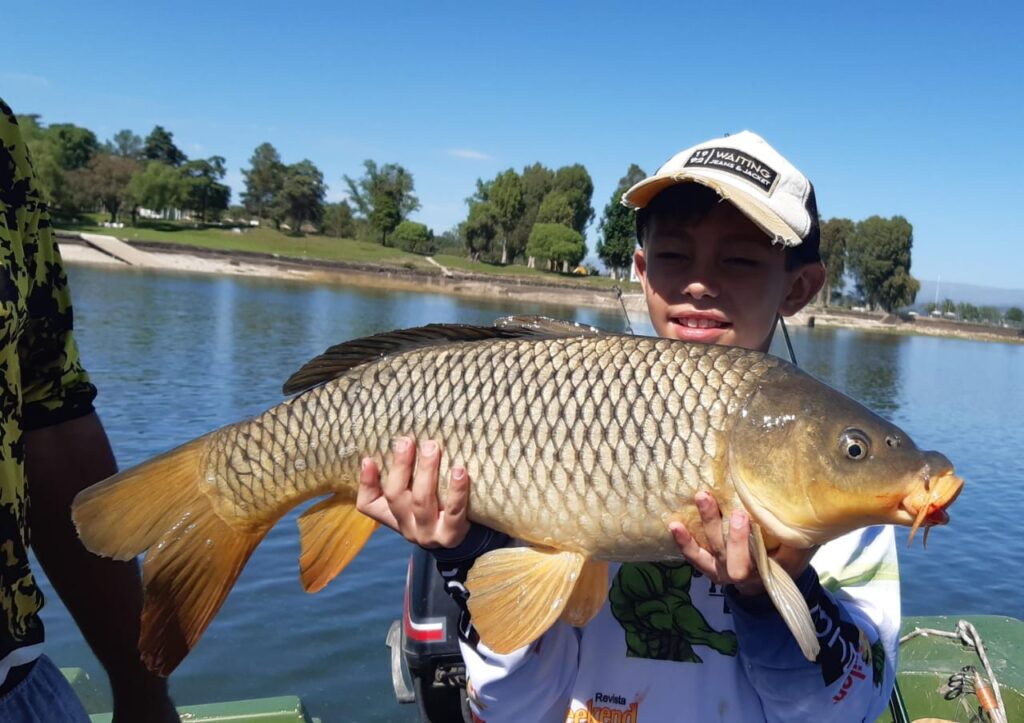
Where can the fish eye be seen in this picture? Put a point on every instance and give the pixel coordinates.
(855, 444)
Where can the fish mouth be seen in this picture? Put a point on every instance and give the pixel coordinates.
(926, 505)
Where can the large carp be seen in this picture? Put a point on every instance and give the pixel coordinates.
(583, 445)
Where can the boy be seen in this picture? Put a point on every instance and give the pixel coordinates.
(728, 234)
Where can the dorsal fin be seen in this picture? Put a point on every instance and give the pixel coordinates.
(340, 358)
(547, 325)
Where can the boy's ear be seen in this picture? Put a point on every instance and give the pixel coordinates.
(640, 261)
(805, 283)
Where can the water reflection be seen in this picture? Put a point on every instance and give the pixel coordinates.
(865, 367)
(871, 364)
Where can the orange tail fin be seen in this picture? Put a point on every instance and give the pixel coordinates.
(194, 556)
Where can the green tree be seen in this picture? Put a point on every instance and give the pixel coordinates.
(879, 257)
(45, 161)
(105, 181)
(338, 221)
(75, 146)
(618, 227)
(576, 184)
(414, 237)
(50, 174)
(967, 311)
(898, 289)
(1014, 315)
(238, 214)
(990, 315)
(948, 306)
(204, 191)
(517, 200)
(301, 198)
(537, 181)
(158, 187)
(480, 230)
(451, 242)
(263, 179)
(125, 144)
(159, 146)
(384, 196)
(385, 216)
(836, 234)
(556, 243)
(506, 196)
(556, 208)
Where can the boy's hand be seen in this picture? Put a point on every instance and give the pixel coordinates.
(728, 562)
(407, 502)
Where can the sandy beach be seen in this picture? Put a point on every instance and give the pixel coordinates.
(166, 258)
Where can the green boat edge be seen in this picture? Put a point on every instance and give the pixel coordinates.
(926, 664)
(279, 709)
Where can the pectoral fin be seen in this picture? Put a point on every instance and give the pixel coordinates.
(517, 593)
(589, 594)
(332, 532)
(785, 595)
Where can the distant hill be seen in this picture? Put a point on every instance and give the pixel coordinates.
(977, 295)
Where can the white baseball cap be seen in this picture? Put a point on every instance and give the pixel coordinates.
(754, 177)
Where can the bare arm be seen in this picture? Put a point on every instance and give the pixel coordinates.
(104, 596)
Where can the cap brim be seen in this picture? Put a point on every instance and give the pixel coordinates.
(767, 220)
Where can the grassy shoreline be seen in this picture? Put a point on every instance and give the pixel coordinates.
(313, 248)
(264, 252)
(351, 264)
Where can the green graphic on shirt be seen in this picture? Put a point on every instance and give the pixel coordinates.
(877, 662)
(652, 603)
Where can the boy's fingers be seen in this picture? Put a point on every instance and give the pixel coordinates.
(697, 555)
(369, 482)
(424, 488)
(370, 498)
(455, 524)
(400, 473)
(738, 564)
(711, 517)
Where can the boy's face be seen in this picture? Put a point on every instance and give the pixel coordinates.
(719, 280)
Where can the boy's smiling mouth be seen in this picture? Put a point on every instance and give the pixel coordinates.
(698, 326)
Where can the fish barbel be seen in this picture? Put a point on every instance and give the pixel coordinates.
(581, 444)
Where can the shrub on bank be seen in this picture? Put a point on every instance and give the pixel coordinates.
(414, 237)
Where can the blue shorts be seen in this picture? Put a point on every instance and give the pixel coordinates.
(44, 696)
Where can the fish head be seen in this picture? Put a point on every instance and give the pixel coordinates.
(811, 464)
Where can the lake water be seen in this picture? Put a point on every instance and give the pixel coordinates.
(176, 356)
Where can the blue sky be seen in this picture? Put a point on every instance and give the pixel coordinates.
(914, 109)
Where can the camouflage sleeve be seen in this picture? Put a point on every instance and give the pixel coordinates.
(55, 387)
